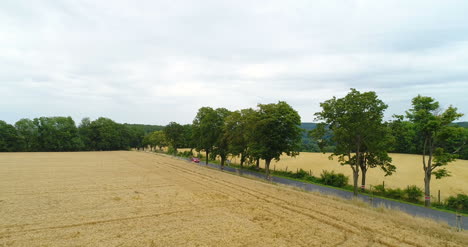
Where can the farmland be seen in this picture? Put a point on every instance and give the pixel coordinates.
(140, 199)
(409, 172)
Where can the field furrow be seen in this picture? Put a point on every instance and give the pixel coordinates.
(142, 199)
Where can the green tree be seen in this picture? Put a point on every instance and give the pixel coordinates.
(356, 123)
(27, 134)
(188, 140)
(276, 131)
(221, 146)
(432, 127)
(57, 134)
(174, 134)
(105, 134)
(207, 128)
(9, 140)
(237, 130)
(85, 134)
(404, 133)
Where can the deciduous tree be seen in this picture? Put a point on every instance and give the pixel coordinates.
(356, 123)
(276, 131)
(433, 127)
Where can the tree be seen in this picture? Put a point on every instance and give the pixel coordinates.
(207, 128)
(404, 133)
(237, 130)
(276, 131)
(356, 123)
(188, 139)
(432, 127)
(221, 146)
(57, 134)
(174, 134)
(105, 134)
(8, 137)
(27, 134)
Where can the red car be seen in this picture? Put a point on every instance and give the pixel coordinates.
(196, 160)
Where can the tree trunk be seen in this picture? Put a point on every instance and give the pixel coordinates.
(355, 180)
(242, 159)
(427, 188)
(207, 154)
(258, 164)
(267, 169)
(223, 158)
(363, 178)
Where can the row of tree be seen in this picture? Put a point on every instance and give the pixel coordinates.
(62, 134)
(362, 139)
(351, 127)
(253, 134)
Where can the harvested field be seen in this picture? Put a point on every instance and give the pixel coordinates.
(409, 172)
(142, 199)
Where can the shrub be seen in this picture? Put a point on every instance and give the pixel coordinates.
(171, 150)
(333, 179)
(458, 203)
(300, 174)
(413, 193)
(395, 193)
(379, 189)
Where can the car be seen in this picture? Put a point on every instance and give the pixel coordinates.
(194, 159)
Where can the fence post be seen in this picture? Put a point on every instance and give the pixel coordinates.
(274, 167)
(439, 196)
(310, 172)
(459, 222)
(383, 184)
(286, 168)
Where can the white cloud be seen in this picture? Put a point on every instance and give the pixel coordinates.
(159, 61)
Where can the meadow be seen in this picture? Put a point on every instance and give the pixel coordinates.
(125, 198)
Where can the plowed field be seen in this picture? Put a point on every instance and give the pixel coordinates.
(142, 199)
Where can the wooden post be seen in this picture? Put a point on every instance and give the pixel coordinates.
(439, 196)
(383, 184)
(459, 223)
(310, 172)
(286, 168)
(297, 170)
(274, 167)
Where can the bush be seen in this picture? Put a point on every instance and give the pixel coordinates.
(413, 193)
(458, 203)
(379, 189)
(333, 179)
(395, 193)
(171, 150)
(301, 174)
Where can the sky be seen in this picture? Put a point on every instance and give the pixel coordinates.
(153, 62)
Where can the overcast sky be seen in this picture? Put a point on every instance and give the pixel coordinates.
(154, 62)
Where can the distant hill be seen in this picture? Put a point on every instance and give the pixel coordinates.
(145, 127)
(308, 126)
(462, 124)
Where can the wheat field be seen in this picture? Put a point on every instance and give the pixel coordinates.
(409, 172)
(141, 199)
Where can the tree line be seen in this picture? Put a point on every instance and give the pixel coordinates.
(59, 134)
(351, 128)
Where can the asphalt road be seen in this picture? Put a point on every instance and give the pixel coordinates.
(420, 211)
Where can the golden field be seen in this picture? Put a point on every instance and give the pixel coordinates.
(142, 199)
(409, 172)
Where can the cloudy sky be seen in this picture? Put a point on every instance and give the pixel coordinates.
(154, 62)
